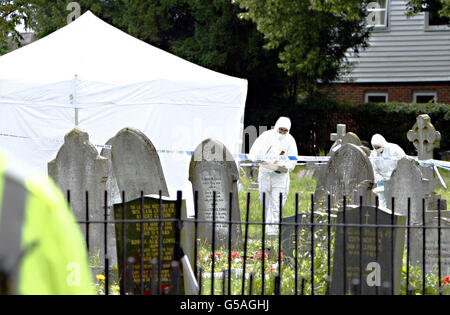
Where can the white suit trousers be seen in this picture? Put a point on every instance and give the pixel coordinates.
(272, 201)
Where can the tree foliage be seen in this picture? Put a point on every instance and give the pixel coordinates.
(12, 14)
(313, 35)
(440, 6)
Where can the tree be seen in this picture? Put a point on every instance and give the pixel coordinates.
(442, 7)
(12, 14)
(313, 35)
(222, 42)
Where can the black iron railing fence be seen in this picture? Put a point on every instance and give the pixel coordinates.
(339, 244)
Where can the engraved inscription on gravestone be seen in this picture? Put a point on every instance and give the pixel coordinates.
(432, 243)
(152, 237)
(348, 173)
(374, 265)
(213, 170)
(212, 182)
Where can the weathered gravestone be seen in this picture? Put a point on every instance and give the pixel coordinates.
(213, 171)
(136, 165)
(425, 139)
(406, 182)
(113, 197)
(160, 245)
(289, 244)
(366, 257)
(348, 173)
(342, 137)
(433, 246)
(79, 168)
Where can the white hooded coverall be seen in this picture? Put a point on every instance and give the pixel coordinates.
(268, 148)
(384, 161)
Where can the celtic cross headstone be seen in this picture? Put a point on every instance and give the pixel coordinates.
(424, 137)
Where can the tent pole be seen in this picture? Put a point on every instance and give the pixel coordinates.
(76, 117)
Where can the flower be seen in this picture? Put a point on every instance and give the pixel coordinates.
(165, 289)
(447, 280)
(235, 255)
(259, 255)
(101, 278)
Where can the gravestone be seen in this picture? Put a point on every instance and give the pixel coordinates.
(406, 182)
(159, 244)
(79, 168)
(425, 139)
(136, 165)
(338, 136)
(343, 137)
(375, 260)
(431, 243)
(213, 170)
(348, 173)
(113, 197)
(288, 240)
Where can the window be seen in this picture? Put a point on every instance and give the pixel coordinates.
(425, 97)
(433, 21)
(377, 97)
(377, 16)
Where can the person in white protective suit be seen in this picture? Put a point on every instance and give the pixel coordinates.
(274, 179)
(384, 159)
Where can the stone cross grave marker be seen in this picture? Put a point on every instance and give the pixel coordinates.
(155, 235)
(348, 173)
(342, 137)
(365, 256)
(425, 139)
(79, 168)
(213, 169)
(338, 136)
(136, 165)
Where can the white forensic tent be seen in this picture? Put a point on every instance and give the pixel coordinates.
(91, 75)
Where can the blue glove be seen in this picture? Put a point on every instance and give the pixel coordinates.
(382, 182)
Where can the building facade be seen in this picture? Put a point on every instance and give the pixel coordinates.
(408, 58)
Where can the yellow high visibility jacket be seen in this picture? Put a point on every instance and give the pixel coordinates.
(42, 250)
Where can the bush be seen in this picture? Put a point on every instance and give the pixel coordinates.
(392, 120)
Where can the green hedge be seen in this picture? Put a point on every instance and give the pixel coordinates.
(392, 120)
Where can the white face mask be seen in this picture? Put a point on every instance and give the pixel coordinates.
(281, 137)
(380, 150)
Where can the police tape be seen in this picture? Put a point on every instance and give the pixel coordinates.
(246, 159)
(52, 140)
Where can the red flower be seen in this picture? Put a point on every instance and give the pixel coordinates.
(259, 255)
(235, 255)
(165, 289)
(219, 255)
(447, 280)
